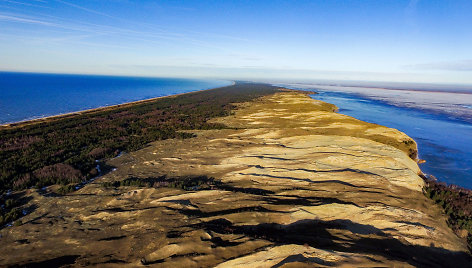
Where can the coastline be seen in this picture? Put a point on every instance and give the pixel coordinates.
(98, 109)
(287, 165)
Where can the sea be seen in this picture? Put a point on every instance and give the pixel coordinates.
(26, 96)
(437, 117)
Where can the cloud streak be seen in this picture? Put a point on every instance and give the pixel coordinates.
(85, 9)
(155, 34)
(463, 66)
(10, 18)
(25, 4)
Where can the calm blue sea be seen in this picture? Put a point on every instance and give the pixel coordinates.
(26, 96)
(444, 141)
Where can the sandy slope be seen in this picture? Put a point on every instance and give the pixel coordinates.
(303, 186)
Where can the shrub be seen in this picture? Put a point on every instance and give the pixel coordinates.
(98, 153)
(65, 189)
(58, 173)
(10, 216)
(185, 182)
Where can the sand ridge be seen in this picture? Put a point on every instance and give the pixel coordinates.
(303, 186)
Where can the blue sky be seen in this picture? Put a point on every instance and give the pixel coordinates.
(378, 40)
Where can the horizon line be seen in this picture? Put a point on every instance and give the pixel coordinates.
(261, 79)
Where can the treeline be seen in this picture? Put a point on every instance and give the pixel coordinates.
(64, 150)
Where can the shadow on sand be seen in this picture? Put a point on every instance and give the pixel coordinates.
(366, 239)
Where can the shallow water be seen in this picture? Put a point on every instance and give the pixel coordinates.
(444, 141)
(32, 95)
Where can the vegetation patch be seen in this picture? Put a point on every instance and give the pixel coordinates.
(188, 183)
(65, 189)
(11, 209)
(457, 204)
(64, 150)
(9, 213)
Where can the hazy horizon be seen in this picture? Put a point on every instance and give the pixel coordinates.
(354, 83)
(381, 41)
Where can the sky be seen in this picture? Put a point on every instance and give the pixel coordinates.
(427, 41)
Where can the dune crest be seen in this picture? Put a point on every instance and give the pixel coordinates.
(295, 183)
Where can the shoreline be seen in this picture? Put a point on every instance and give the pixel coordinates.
(98, 109)
(287, 165)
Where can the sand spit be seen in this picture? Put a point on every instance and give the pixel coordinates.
(300, 186)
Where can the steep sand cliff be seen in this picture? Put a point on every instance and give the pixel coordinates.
(300, 186)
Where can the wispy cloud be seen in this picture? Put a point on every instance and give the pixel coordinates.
(85, 9)
(13, 18)
(25, 3)
(145, 38)
(463, 65)
(146, 33)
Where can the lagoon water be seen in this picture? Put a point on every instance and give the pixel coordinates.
(26, 96)
(442, 130)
